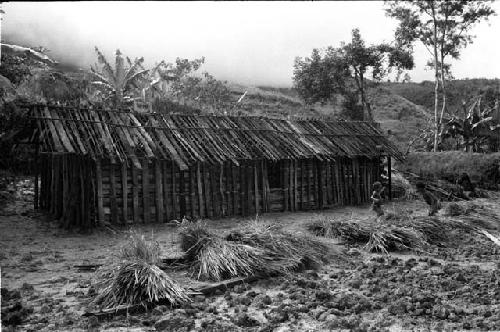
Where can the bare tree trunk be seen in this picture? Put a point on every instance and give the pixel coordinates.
(437, 122)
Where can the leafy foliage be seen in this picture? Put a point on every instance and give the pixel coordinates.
(443, 27)
(344, 70)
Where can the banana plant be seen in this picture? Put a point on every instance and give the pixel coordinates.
(119, 85)
(477, 125)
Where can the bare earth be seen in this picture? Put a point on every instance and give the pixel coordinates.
(454, 287)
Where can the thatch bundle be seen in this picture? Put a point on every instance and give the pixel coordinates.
(255, 249)
(214, 258)
(285, 251)
(349, 231)
(394, 238)
(138, 248)
(135, 278)
(393, 232)
(137, 282)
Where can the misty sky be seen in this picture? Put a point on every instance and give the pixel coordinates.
(245, 42)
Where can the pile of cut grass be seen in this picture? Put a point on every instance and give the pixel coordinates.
(349, 231)
(137, 282)
(254, 249)
(392, 232)
(284, 251)
(214, 258)
(135, 278)
(393, 238)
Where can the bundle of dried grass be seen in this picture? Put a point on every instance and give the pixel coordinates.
(284, 251)
(214, 258)
(394, 238)
(135, 279)
(137, 282)
(349, 231)
(138, 248)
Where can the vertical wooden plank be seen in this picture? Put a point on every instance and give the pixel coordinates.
(284, 174)
(316, 190)
(264, 179)
(166, 192)
(291, 187)
(200, 190)
(100, 204)
(192, 191)
(249, 189)
(242, 188)
(214, 192)
(124, 192)
(112, 189)
(222, 191)
(389, 175)
(234, 197)
(145, 191)
(256, 186)
(206, 186)
(135, 195)
(175, 211)
(182, 194)
(159, 192)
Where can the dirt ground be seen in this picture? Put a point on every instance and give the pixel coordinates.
(450, 287)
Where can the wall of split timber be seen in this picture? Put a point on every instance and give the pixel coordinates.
(67, 189)
(82, 193)
(207, 191)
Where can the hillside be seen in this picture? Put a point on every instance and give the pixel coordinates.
(458, 91)
(399, 118)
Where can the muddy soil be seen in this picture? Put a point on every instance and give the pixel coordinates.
(450, 287)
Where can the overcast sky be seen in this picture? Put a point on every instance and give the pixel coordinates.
(246, 42)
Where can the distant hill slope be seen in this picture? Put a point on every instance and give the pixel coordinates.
(458, 91)
(399, 118)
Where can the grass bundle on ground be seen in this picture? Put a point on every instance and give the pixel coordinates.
(138, 248)
(385, 239)
(284, 251)
(135, 279)
(137, 282)
(349, 231)
(214, 258)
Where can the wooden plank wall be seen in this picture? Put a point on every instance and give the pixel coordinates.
(68, 189)
(161, 192)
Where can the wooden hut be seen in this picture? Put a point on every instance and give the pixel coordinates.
(122, 167)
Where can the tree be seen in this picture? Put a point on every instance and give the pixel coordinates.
(443, 27)
(344, 70)
(118, 85)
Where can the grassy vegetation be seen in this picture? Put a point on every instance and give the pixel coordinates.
(135, 278)
(255, 249)
(483, 169)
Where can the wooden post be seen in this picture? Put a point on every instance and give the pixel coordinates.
(100, 204)
(158, 191)
(214, 191)
(112, 187)
(145, 191)
(389, 175)
(286, 183)
(36, 169)
(124, 193)
(206, 186)
(166, 192)
(192, 191)
(174, 195)
(200, 190)
(135, 195)
(256, 187)
(234, 190)
(222, 190)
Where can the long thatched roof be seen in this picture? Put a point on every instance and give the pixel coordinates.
(124, 136)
